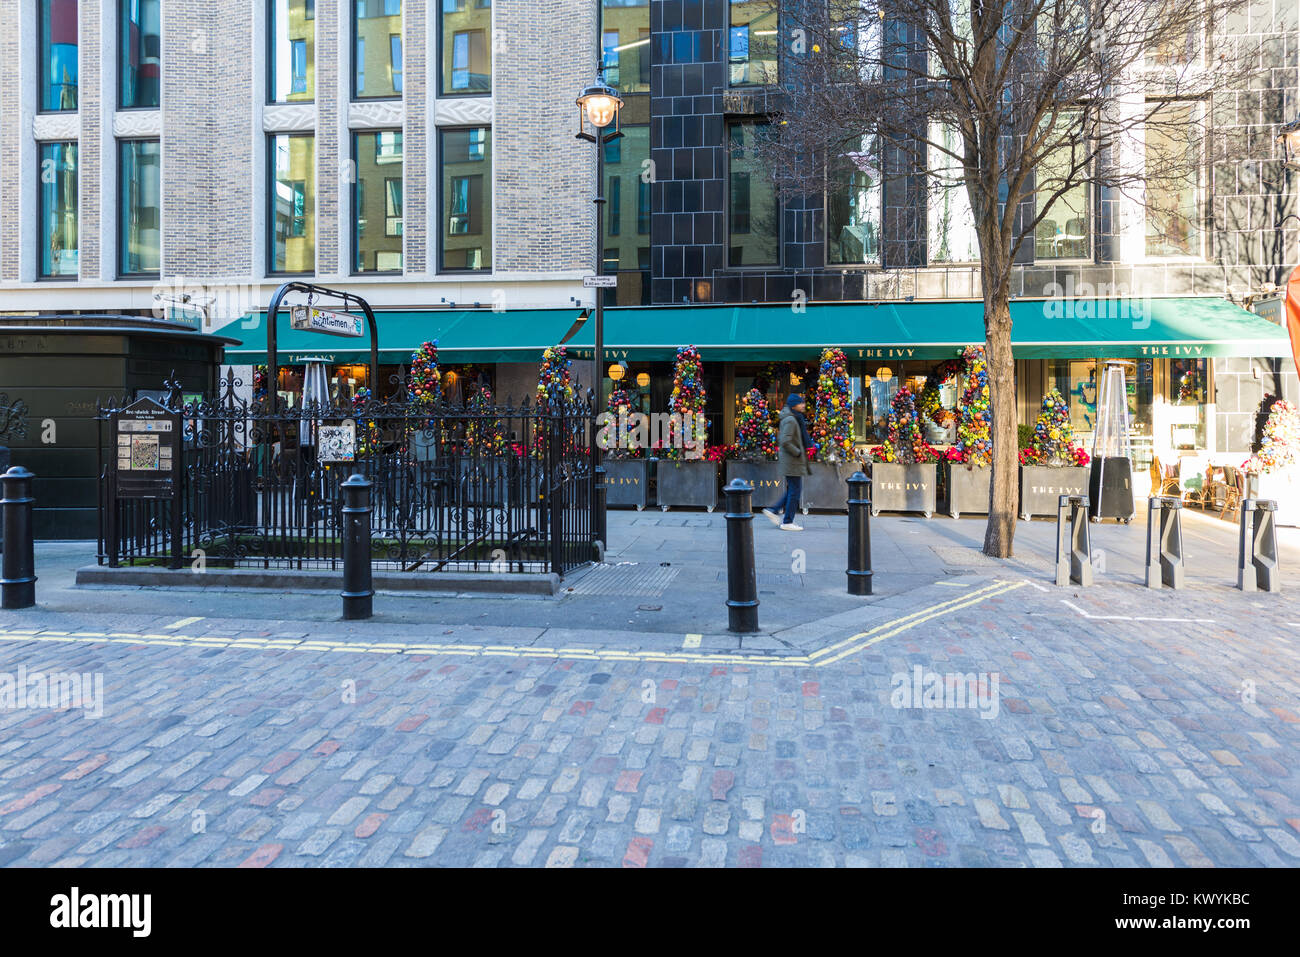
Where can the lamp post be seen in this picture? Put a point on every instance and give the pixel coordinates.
(598, 106)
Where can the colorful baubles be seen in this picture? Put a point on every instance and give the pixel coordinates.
(1279, 439)
(423, 382)
(930, 403)
(904, 442)
(623, 442)
(1053, 440)
(755, 436)
(974, 426)
(688, 397)
(832, 429)
(484, 434)
(554, 393)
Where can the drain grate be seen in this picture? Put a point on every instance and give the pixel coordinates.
(647, 581)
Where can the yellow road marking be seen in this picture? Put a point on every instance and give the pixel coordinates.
(836, 652)
(182, 623)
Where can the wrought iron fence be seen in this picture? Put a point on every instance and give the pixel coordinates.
(453, 487)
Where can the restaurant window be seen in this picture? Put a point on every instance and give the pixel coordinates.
(58, 209)
(140, 53)
(625, 44)
(377, 49)
(291, 60)
(1079, 381)
(854, 206)
(1186, 394)
(291, 212)
(465, 158)
(1063, 233)
(873, 385)
(139, 173)
(1173, 181)
(752, 35)
(951, 223)
(58, 55)
(754, 214)
(377, 202)
(465, 31)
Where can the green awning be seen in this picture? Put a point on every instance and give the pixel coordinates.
(474, 335)
(1041, 328)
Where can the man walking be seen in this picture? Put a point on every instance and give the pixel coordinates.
(793, 443)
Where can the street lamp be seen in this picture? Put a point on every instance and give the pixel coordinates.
(1289, 136)
(598, 106)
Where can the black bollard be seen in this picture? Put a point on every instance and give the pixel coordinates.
(859, 570)
(358, 591)
(599, 527)
(1164, 542)
(18, 565)
(742, 580)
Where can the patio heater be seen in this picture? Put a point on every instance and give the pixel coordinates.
(1110, 484)
(315, 395)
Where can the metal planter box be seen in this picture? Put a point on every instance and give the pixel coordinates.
(968, 489)
(827, 487)
(1041, 487)
(766, 477)
(903, 488)
(627, 483)
(686, 484)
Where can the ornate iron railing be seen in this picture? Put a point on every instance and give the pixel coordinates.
(454, 487)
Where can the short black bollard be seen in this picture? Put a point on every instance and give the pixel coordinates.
(18, 564)
(4, 467)
(599, 527)
(742, 580)
(1257, 559)
(1164, 542)
(358, 590)
(1073, 541)
(859, 570)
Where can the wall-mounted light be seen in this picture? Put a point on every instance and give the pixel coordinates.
(616, 371)
(643, 379)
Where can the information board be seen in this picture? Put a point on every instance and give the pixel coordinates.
(147, 437)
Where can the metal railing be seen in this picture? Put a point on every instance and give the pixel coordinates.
(454, 487)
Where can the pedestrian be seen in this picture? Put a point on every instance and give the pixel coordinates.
(793, 445)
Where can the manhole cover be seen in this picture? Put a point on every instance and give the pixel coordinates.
(648, 581)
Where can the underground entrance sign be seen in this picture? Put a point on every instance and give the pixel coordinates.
(147, 439)
(311, 319)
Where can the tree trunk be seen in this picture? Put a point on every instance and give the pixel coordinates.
(1004, 486)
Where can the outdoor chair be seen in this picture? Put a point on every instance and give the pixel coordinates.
(1232, 489)
(1163, 481)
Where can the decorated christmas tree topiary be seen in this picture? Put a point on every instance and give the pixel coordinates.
(554, 393)
(1053, 440)
(974, 435)
(484, 434)
(423, 382)
(688, 398)
(622, 443)
(755, 435)
(904, 442)
(1279, 439)
(930, 402)
(832, 429)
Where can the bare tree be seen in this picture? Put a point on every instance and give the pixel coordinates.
(1016, 115)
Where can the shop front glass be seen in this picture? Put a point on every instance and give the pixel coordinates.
(1079, 381)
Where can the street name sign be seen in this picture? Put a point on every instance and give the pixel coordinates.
(311, 319)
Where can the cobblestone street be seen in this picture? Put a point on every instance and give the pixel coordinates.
(1109, 726)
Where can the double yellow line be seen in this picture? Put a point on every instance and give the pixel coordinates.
(825, 656)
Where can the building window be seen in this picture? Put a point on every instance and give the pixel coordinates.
(291, 59)
(951, 222)
(755, 219)
(625, 164)
(377, 49)
(854, 207)
(1173, 181)
(139, 174)
(1064, 232)
(140, 54)
(58, 55)
(625, 44)
(465, 157)
(377, 202)
(752, 42)
(58, 209)
(465, 31)
(291, 203)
